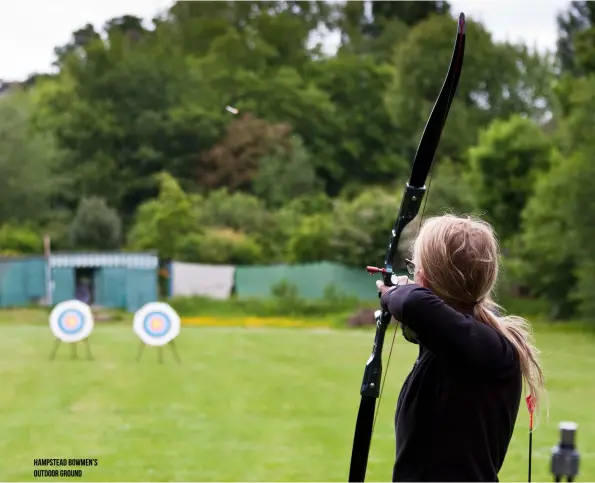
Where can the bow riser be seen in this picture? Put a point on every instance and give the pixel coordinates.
(407, 212)
(373, 370)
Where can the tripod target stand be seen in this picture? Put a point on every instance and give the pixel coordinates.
(71, 322)
(157, 324)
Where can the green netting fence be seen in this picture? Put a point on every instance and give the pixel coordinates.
(311, 280)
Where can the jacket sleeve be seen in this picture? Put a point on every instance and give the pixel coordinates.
(444, 331)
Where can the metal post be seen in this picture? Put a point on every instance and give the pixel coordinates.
(47, 253)
(565, 457)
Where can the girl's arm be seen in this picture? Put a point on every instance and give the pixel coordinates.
(444, 331)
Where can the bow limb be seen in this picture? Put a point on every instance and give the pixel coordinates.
(410, 204)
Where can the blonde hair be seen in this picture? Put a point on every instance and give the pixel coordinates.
(459, 258)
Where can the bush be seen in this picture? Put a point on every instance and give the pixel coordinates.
(95, 226)
(19, 241)
(220, 245)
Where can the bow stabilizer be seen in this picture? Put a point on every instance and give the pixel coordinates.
(410, 204)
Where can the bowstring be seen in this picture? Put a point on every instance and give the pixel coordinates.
(384, 377)
(423, 211)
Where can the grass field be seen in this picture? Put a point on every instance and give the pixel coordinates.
(244, 405)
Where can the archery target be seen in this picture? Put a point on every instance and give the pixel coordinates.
(71, 321)
(156, 323)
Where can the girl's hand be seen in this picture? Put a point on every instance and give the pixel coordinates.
(402, 280)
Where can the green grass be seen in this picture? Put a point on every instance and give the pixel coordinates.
(244, 405)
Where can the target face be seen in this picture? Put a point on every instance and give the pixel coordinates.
(71, 321)
(156, 323)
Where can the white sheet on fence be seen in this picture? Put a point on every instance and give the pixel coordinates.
(214, 281)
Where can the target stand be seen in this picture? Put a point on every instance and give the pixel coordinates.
(157, 324)
(71, 322)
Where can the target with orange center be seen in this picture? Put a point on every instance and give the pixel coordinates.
(156, 323)
(71, 321)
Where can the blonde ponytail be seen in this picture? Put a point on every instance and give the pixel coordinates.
(458, 259)
(518, 332)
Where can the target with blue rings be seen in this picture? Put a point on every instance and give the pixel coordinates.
(156, 323)
(71, 321)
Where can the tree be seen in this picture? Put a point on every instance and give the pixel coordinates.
(544, 253)
(234, 161)
(162, 223)
(498, 80)
(312, 240)
(448, 191)
(576, 37)
(283, 29)
(19, 240)
(80, 40)
(285, 97)
(409, 12)
(503, 168)
(220, 246)
(285, 174)
(575, 173)
(95, 226)
(363, 128)
(353, 232)
(361, 227)
(374, 28)
(123, 109)
(28, 163)
(245, 214)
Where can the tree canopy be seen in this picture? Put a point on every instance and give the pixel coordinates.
(131, 144)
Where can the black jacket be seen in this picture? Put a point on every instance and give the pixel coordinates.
(458, 406)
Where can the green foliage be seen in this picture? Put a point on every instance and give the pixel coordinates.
(309, 205)
(19, 240)
(117, 134)
(449, 191)
(576, 34)
(27, 163)
(238, 211)
(313, 165)
(312, 240)
(246, 215)
(503, 168)
(555, 248)
(498, 81)
(95, 226)
(362, 226)
(285, 175)
(285, 291)
(287, 295)
(220, 245)
(162, 223)
(546, 246)
(368, 145)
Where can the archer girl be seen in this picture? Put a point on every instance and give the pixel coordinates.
(457, 408)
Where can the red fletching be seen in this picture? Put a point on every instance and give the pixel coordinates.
(530, 403)
(531, 407)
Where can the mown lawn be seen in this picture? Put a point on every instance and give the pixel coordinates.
(244, 405)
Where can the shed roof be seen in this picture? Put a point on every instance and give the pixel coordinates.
(96, 260)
